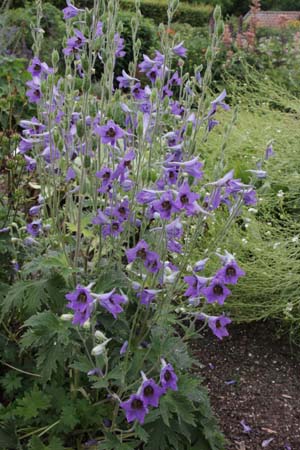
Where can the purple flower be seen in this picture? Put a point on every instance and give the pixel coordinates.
(146, 196)
(100, 219)
(186, 199)
(113, 228)
(135, 408)
(168, 378)
(174, 229)
(34, 92)
(269, 152)
(35, 210)
(79, 299)
(119, 43)
(180, 50)
(249, 197)
(30, 163)
(166, 205)
(71, 174)
(154, 73)
(139, 251)
(109, 133)
(111, 302)
(217, 324)
(81, 302)
(230, 273)
(200, 265)
(99, 29)
(74, 43)
(124, 347)
(152, 262)
(37, 68)
(146, 296)
(125, 80)
(219, 101)
(138, 92)
(4, 230)
(196, 284)
(216, 291)
(95, 372)
(177, 109)
(105, 174)
(150, 392)
(70, 11)
(121, 211)
(246, 428)
(34, 228)
(124, 165)
(175, 79)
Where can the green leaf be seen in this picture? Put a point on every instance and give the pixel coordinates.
(11, 382)
(32, 403)
(28, 295)
(141, 433)
(51, 337)
(69, 418)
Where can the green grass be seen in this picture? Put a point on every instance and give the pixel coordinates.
(265, 242)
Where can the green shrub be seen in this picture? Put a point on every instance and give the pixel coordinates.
(195, 15)
(17, 32)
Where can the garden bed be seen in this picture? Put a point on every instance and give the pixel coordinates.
(253, 376)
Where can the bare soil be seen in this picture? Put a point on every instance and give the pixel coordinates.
(254, 376)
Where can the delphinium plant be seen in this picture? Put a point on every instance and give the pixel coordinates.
(124, 199)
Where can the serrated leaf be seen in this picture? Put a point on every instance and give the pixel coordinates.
(141, 433)
(31, 404)
(11, 381)
(69, 418)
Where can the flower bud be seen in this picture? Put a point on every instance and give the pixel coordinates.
(55, 58)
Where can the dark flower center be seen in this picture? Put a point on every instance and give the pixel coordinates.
(37, 92)
(106, 176)
(166, 205)
(218, 324)
(78, 41)
(152, 74)
(115, 226)
(82, 297)
(136, 404)
(195, 284)
(136, 90)
(142, 253)
(35, 226)
(153, 264)
(122, 210)
(230, 271)
(167, 375)
(148, 391)
(127, 164)
(184, 199)
(37, 67)
(218, 289)
(111, 132)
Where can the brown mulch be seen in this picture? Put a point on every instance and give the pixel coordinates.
(253, 376)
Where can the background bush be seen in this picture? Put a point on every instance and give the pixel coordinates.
(195, 15)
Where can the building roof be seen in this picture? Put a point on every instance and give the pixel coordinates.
(274, 18)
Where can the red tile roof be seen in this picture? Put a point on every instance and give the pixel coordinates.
(274, 18)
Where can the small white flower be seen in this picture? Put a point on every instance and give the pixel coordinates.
(252, 210)
(66, 317)
(295, 238)
(276, 245)
(280, 194)
(244, 241)
(99, 349)
(100, 336)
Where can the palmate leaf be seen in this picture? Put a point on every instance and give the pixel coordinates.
(37, 444)
(31, 404)
(51, 337)
(26, 295)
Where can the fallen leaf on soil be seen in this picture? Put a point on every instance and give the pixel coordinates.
(240, 445)
(286, 396)
(266, 442)
(268, 430)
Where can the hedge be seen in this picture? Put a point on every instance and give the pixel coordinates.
(195, 15)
